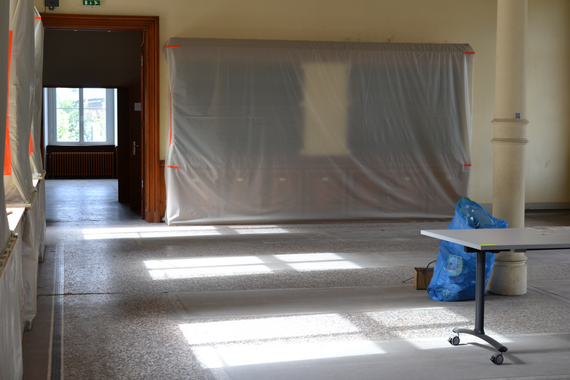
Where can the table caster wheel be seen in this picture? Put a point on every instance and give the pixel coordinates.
(454, 340)
(497, 359)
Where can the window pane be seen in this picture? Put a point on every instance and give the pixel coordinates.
(94, 115)
(67, 118)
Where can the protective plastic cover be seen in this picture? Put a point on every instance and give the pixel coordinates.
(40, 227)
(30, 259)
(18, 184)
(11, 328)
(12, 22)
(4, 42)
(36, 153)
(267, 131)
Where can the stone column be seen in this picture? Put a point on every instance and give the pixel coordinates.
(509, 275)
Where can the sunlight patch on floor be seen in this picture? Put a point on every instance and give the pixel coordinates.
(163, 231)
(265, 353)
(244, 265)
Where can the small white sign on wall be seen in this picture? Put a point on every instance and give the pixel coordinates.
(137, 106)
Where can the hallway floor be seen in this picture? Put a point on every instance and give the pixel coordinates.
(132, 300)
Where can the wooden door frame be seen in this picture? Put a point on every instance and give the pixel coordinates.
(151, 128)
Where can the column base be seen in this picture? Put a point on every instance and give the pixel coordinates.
(509, 275)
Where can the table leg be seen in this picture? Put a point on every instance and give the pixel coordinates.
(479, 330)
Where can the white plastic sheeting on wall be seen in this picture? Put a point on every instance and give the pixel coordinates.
(18, 182)
(33, 247)
(36, 154)
(19, 187)
(11, 324)
(36, 161)
(11, 363)
(30, 259)
(266, 131)
(4, 47)
(22, 109)
(40, 226)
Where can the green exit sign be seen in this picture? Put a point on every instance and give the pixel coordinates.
(92, 3)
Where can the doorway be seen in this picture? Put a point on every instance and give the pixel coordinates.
(149, 98)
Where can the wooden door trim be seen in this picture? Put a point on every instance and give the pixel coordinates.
(148, 25)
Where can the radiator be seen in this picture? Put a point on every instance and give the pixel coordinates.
(82, 164)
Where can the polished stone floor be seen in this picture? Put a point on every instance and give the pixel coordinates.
(301, 301)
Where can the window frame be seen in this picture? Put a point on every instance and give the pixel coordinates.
(51, 118)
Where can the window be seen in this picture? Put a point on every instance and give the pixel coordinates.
(80, 116)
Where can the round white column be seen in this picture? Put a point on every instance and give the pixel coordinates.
(509, 276)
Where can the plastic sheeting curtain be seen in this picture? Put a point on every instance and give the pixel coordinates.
(18, 183)
(23, 103)
(36, 135)
(35, 146)
(11, 363)
(4, 44)
(267, 131)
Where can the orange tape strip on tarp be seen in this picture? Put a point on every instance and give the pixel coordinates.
(170, 141)
(7, 155)
(172, 46)
(31, 144)
(173, 167)
(469, 52)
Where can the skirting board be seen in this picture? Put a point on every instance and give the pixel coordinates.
(535, 206)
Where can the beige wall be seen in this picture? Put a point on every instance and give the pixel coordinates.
(430, 21)
(548, 150)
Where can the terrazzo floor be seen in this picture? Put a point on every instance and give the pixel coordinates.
(313, 301)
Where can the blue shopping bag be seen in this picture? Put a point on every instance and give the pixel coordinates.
(455, 270)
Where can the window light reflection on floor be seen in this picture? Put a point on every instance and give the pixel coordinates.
(266, 328)
(245, 265)
(203, 262)
(243, 230)
(172, 274)
(176, 231)
(265, 353)
(304, 257)
(425, 328)
(220, 342)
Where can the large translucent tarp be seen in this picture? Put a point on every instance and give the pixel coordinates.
(36, 161)
(11, 362)
(30, 259)
(18, 181)
(40, 227)
(4, 47)
(11, 326)
(36, 154)
(33, 247)
(267, 131)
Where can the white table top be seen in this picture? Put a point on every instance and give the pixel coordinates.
(505, 239)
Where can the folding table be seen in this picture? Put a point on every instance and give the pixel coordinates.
(495, 241)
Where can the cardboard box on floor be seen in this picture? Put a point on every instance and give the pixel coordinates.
(422, 277)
